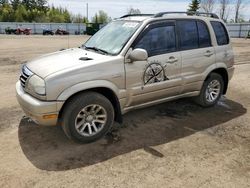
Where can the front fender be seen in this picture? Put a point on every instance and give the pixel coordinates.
(88, 85)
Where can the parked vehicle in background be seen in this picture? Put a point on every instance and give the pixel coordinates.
(26, 31)
(79, 32)
(18, 31)
(92, 28)
(133, 62)
(248, 34)
(48, 32)
(61, 32)
(10, 31)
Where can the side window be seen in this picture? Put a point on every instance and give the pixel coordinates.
(158, 40)
(204, 35)
(188, 34)
(220, 33)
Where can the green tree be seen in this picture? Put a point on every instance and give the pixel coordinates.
(95, 18)
(29, 4)
(37, 11)
(6, 13)
(66, 15)
(15, 3)
(101, 17)
(2, 2)
(42, 5)
(58, 15)
(194, 6)
(85, 20)
(78, 18)
(21, 13)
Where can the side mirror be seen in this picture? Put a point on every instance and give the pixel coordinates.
(138, 54)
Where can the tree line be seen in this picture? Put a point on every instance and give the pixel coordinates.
(224, 8)
(39, 11)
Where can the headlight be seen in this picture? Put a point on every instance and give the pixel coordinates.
(37, 85)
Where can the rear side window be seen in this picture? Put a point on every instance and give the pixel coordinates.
(188, 34)
(204, 35)
(220, 33)
(158, 40)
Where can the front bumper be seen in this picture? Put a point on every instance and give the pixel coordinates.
(41, 112)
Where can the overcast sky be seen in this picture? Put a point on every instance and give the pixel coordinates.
(117, 8)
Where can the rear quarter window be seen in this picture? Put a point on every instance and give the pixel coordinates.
(220, 33)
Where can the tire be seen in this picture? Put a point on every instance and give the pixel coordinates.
(204, 99)
(82, 125)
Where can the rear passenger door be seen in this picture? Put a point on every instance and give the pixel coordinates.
(197, 52)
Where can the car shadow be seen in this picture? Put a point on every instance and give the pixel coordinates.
(47, 148)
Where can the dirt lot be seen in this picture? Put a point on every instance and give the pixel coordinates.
(176, 144)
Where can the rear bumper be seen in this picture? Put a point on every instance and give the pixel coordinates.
(42, 112)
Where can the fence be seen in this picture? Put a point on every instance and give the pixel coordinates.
(37, 28)
(235, 30)
(238, 30)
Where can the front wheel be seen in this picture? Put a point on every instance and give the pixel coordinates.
(211, 91)
(87, 117)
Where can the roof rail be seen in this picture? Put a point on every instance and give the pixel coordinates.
(129, 15)
(212, 15)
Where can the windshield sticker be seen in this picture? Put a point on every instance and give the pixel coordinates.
(154, 73)
(130, 24)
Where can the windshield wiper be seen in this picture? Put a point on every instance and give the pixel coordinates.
(96, 49)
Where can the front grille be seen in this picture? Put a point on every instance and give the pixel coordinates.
(25, 74)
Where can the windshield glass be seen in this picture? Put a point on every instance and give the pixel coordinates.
(112, 37)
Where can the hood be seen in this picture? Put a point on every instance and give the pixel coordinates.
(61, 60)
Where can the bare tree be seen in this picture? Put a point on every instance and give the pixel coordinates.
(239, 5)
(132, 10)
(208, 5)
(224, 9)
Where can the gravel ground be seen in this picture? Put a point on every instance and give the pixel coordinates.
(175, 144)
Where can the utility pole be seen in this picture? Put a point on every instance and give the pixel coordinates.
(87, 11)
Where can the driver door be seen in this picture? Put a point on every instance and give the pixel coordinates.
(160, 75)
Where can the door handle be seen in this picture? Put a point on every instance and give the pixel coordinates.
(208, 53)
(172, 60)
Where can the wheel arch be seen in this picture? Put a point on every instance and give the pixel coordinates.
(109, 93)
(224, 74)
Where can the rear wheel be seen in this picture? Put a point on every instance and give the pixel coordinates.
(211, 91)
(87, 117)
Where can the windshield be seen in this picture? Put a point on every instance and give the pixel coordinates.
(112, 37)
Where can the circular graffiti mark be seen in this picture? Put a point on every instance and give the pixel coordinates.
(154, 73)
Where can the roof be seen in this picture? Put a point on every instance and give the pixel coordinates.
(196, 15)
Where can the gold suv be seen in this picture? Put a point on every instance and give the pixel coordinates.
(134, 61)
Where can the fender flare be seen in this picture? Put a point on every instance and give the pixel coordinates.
(80, 87)
(213, 68)
(218, 70)
(67, 93)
